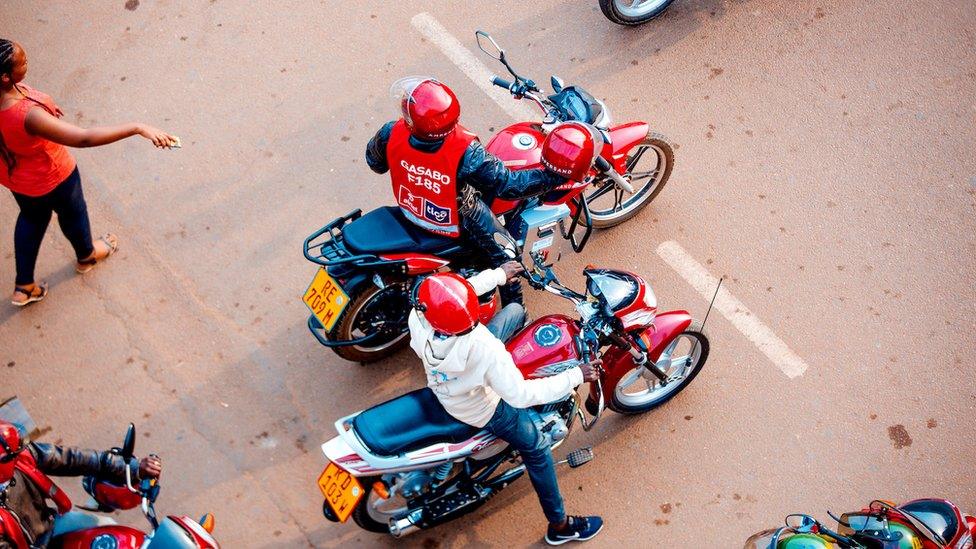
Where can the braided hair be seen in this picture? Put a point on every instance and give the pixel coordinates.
(6, 66)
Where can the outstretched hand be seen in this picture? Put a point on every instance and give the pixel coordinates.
(158, 137)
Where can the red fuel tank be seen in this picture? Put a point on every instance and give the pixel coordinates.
(545, 347)
(121, 537)
(519, 146)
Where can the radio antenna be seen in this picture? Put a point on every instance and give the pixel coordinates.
(704, 320)
(715, 295)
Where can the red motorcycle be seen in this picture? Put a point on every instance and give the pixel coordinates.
(173, 532)
(918, 524)
(368, 263)
(407, 464)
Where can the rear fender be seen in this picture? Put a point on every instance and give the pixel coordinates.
(418, 263)
(617, 362)
(623, 138)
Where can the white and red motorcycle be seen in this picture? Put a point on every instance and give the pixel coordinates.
(407, 464)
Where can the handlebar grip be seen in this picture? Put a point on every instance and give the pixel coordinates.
(501, 83)
(602, 164)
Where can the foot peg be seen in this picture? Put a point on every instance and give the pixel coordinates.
(580, 456)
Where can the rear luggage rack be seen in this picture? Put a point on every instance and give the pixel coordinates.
(325, 247)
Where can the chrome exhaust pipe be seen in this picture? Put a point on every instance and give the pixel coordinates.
(406, 525)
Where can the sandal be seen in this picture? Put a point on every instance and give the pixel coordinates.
(31, 296)
(86, 265)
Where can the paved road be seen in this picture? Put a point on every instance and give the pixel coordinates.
(824, 165)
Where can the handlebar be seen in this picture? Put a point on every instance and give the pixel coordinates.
(501, 83)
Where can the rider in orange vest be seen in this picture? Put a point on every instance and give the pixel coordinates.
(443, 178)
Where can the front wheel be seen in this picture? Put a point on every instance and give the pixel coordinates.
(374, 310)
(649, 166)
(633, 12)
(640, 391)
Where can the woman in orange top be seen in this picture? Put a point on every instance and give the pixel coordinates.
(41, 173)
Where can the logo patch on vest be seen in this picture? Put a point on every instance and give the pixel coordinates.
(423, 208)
(433, 212)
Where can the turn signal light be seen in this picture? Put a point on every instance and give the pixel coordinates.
(208, 522)
(381, 490)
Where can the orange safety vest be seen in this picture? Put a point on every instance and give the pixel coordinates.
(425, 184)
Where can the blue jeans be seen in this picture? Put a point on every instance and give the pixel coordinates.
(507, 321)
(514, 426)
(68, 200)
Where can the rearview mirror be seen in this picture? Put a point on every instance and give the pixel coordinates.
(557, 84)
(803, 524)
(129, 446)
(488, 45)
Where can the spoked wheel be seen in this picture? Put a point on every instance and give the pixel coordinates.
(633, 12)
(649, 166)
(639, 390)
(375, 310)
(373, 513)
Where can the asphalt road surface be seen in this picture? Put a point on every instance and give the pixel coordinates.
(824, 166)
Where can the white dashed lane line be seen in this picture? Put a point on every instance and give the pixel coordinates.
(671, 252)
(732, 309)
(471, 66)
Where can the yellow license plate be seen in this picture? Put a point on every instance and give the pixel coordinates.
(341, 490)
(326, 299)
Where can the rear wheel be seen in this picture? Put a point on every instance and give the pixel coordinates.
(633, 12)
(639, 390)
(373, 513)
(649, 166)
(373, 310)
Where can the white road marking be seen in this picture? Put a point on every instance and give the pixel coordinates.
(673, 254)
(472, 67)
(732, 309)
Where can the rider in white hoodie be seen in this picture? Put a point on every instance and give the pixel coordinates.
(477, 382)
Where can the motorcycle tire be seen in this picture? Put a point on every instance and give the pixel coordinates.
(619, 16)
(347, 323)
(695, 330)
(654, 142)
(361, 516)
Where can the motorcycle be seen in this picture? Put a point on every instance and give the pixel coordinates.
(359, 297)
(633, 12)
(173, 532)
(406, 464)
(918, 524)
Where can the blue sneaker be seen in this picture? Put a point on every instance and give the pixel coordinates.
(576, 529)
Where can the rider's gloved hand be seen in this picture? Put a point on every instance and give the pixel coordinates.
(512, 270)
(591, 370)
(150, 467)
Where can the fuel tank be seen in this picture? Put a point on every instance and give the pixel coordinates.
(519, 146)
(545, 347)
(121, 537)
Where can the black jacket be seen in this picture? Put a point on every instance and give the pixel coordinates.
(27, 500)
(478, 168)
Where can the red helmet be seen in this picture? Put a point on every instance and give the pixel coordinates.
(449, 303)
(429, 108)
(571, 148)
(10, 447)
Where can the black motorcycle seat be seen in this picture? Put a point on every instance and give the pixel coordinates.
(386, 230)
(409, 422)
